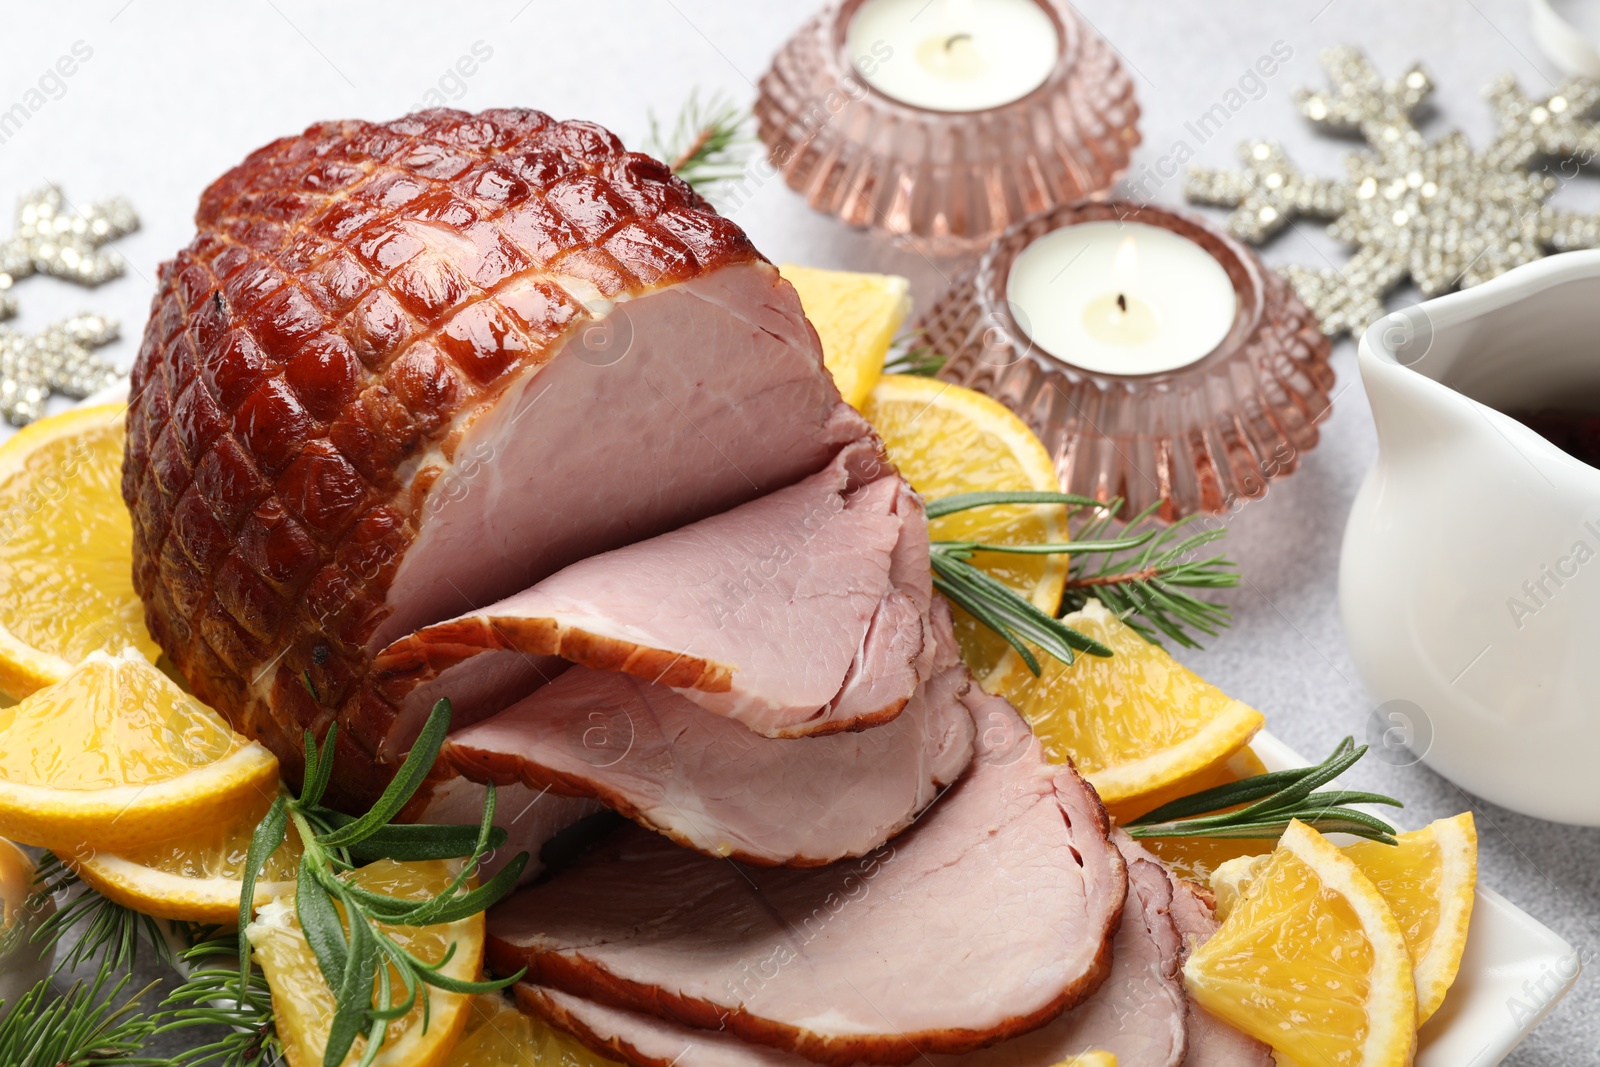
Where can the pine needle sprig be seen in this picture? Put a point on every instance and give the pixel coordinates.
(1147, 584)
(709, 143)
(90, 1025)
(343, 922)
(1269, 801)
(210, 997)
(1141, 575)
(111, 933)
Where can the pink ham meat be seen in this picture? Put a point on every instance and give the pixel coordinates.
(986, 919)
(1138, 1013)
(407, 369)
(710, 784)
(1212, 1042)
(803, 612)
(530, 818)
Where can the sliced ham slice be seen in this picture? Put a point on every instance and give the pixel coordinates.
(1212, 1042)
(710, 784)
(1138, 1013)
(802, 612)
(985, 920)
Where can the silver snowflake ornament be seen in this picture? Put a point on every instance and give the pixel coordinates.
(1438, 212)
(53, 238)
(58, 360)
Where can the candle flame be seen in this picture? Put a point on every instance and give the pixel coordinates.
(1125, 268)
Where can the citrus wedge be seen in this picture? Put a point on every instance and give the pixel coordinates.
(948, 440)
(1430, 881)
(498, 1035)
(304, 1006)
(66, 556)
(1311, 961)
(194, 878)
(856, 317)
(115, 757)
(1135, 723)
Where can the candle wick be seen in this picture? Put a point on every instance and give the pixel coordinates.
(954, 39)
(1122, 302)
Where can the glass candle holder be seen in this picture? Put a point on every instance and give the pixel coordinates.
(930, 140)
(1202, 431)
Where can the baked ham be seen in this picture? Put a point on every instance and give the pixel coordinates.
(802, 612)
(1138, 1013)
(986, 919)
(408, 369)
(710, 784)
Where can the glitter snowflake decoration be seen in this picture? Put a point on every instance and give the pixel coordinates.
(1438, 212)
(58, 360)
(52, 238)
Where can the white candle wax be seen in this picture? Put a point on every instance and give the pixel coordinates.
(1121, 297)
(953, 55)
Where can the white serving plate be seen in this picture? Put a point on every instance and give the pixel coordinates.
(1514, 970)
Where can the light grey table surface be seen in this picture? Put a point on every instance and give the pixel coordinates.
(173, 94)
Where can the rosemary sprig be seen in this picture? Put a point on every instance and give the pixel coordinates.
(1141, 576)
(1270, 801)
(907, 356)
(87, 1026)
(112, 933)
(210, 998)
(343, 922)
(709, 143)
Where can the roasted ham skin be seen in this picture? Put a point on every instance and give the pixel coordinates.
(406, 369)
(712, 785)
(986, 919)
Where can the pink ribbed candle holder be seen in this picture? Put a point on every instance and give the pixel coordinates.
(1201, 438)
(946, 181)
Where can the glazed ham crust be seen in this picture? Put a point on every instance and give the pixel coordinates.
(355, 299)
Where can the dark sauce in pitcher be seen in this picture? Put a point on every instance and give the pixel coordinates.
(1576, 433)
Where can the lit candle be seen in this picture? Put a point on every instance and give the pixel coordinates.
(1121, 297)
(953, 55)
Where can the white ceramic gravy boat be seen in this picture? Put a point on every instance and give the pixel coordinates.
(1470, 575)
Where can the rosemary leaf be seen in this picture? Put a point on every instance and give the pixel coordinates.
(1270, 801)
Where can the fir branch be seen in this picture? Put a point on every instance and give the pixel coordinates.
(1148, 584)
(343, 922)
(1262, 806)
(84, 1027)
(112, 933)
(1142, 576)
(211, 998)
(709, 144)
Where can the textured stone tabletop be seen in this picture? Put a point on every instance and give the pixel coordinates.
(172, 94)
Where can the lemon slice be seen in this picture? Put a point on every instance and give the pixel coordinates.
(1134, 723)
(1311, 961)
(194, 878)
(304, 1006)
(948, 440)
(1430, 881)
(855, 316)
(66, 556)
(115, 757)
(499, 1035)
